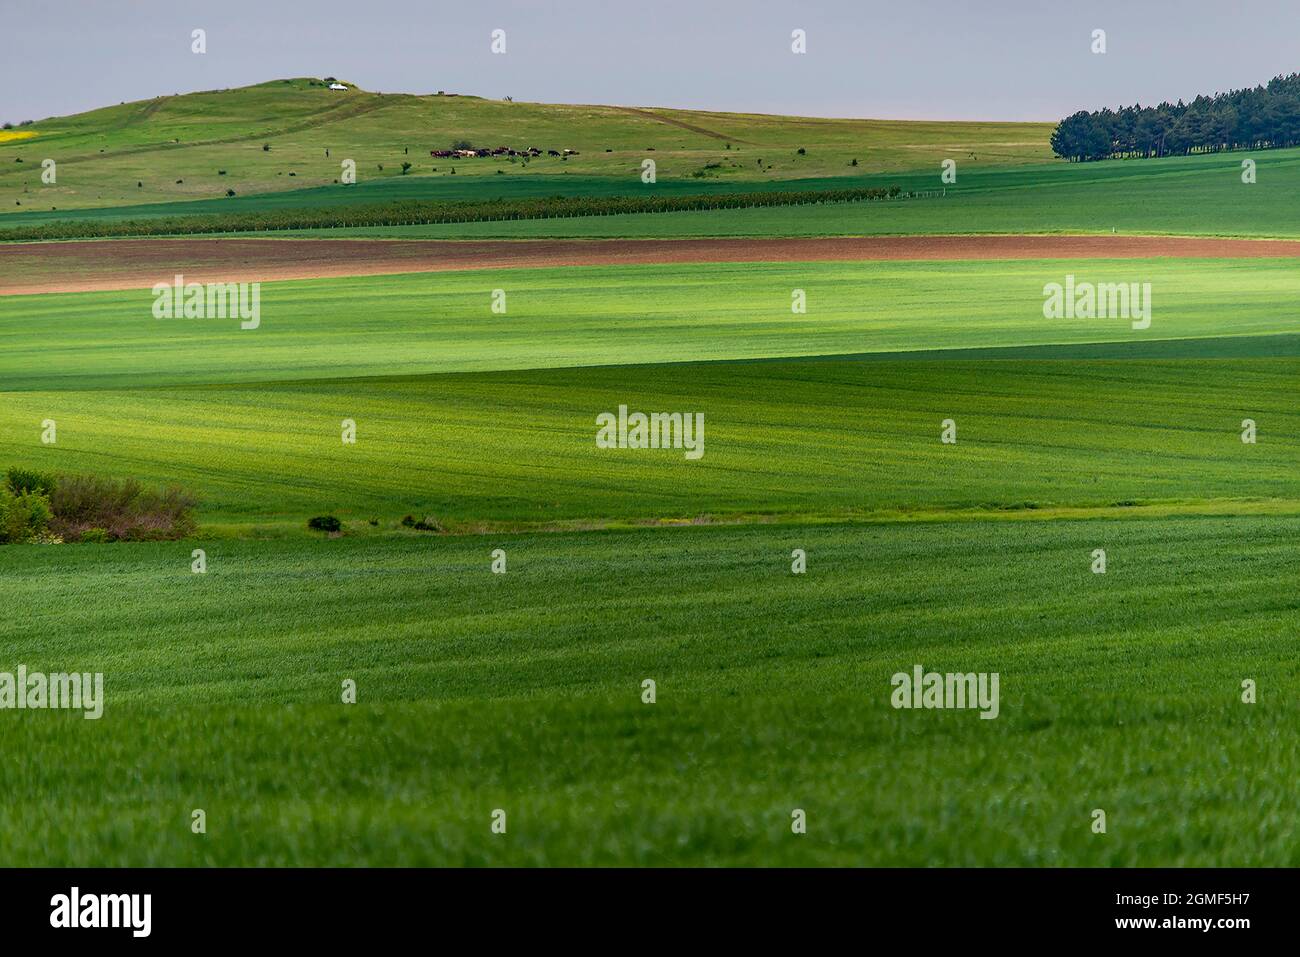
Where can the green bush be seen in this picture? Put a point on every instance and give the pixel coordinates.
(29, 480)
(123, 509)
(24, 516)
(426, 524)
(324, 523)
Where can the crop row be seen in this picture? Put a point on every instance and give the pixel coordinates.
(416, 212)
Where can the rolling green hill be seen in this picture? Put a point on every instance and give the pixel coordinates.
(522, 691)
(175, 146)
(420, 323)
(251, 418)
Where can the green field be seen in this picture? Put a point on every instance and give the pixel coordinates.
(446, 394)
(1192, 195)
(583, 316)
(1185, 196)
(523, 691)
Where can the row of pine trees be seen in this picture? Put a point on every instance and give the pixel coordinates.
(1265, 117)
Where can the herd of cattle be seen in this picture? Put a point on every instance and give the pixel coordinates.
(499, 151)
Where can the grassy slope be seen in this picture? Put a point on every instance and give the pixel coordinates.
(522, 692)
(811, 439)
(442, 322)
(156, 142)
(127, 392)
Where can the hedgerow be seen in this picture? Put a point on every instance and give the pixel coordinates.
(423, 213)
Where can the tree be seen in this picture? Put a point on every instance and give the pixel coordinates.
(1262, 117)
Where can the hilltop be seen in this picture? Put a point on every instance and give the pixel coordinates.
(273, 137)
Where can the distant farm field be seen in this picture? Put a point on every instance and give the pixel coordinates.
(1193, 195)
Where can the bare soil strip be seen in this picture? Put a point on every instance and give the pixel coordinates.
(140, 263)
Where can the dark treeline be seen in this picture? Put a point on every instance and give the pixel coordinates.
(417, 212)
(1265, 117)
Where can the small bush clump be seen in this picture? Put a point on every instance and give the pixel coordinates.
(324, 523)
(29, 480)
(425, 524)
(24, 516)
(46, 508)
(83, 506)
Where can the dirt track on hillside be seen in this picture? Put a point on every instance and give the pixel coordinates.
(140, 263)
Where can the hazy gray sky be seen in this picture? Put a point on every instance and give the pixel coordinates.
(937, 59)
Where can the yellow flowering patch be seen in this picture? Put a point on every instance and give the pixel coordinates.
(8, 136)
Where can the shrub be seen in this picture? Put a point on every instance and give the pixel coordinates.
(426, 524)
(123, 509)
(266, 147)
(29, 480)
(95, 536)
(324, 523)
(24, 516)
(405, 166)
